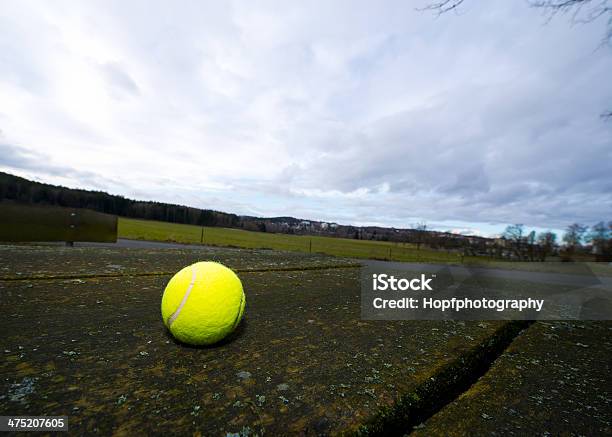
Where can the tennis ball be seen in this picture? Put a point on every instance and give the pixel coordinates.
(203, 303)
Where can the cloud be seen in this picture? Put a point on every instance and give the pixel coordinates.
(119, 79)
(32, 163)
(388, 116)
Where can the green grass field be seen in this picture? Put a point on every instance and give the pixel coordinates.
(343, 247)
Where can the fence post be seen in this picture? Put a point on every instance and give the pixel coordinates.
(202, 236)
(72, 224)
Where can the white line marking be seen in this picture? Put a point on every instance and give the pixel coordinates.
(174, 315)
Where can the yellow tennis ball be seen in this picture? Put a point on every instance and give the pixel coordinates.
(203, 303)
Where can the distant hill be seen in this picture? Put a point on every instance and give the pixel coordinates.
(20, 190)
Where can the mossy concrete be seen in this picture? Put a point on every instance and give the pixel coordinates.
(93, 347)
(41, 261)
(554, 379)
(302, 361)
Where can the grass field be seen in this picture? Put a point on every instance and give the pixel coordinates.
(163, 231)
(341, 247)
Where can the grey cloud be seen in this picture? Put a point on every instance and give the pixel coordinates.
(21, 159)
(388, 116)
(119, 79)
(470, 181)
(523, 153)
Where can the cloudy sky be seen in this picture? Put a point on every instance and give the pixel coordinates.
(355, 112)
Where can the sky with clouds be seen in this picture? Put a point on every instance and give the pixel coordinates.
(355, 112)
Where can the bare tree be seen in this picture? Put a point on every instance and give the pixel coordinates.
(580, 11)
(514, 232)
(546, 243)
(515, 235)
(530, 239)
(574, 235)
(420, 232)
(599, 237)
(442, 7)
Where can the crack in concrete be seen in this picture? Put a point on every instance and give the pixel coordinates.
(144, 274)
(446, 385)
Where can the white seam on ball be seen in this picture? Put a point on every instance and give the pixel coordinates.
(174, 315)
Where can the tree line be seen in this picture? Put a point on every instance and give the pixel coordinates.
(579, 241)
(17, 189)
